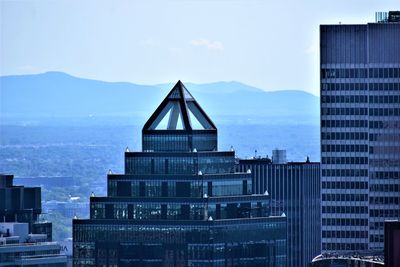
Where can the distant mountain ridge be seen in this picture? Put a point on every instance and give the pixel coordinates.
(57, 94)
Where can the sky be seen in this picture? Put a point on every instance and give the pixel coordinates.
(269, 44)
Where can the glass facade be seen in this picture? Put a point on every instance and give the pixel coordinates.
(204, 243)
(179, 163)
(168, 140)
(180, 203)
(295, 190)
(360, 134)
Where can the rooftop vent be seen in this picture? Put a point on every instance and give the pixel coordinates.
(381, 17)
(385, 17)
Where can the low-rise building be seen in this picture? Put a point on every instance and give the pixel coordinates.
(22, 204)
(24, 240)
(19, 248)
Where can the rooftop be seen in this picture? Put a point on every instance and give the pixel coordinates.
(387, 17)
(179, 111)
(372, 257)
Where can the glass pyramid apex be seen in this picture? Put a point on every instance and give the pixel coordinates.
(177, 90)
(179, 111)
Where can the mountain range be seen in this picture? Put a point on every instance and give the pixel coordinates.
(59, 95)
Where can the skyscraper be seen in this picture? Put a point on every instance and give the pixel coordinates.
(294, 188)
(180, 202)
(360, 132)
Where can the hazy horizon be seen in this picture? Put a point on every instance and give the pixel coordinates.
(171, 83)
(259, 43)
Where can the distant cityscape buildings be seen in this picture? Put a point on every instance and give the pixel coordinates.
(53, 181)
(68, 209)
(180, 202)
(360, 132)
(24, 240)
(294, 188)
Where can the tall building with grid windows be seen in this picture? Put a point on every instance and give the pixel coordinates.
(360, 132)
(295, 190)
(180, 202)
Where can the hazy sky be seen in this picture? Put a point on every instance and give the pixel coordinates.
(269, 44)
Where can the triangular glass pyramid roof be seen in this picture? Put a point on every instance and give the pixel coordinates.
(179, 111)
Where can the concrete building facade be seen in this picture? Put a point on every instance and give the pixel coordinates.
(360, 132)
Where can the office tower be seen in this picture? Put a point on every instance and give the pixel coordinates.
(294, 188)
(22, 204)
(180, 202)
(360, 132)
